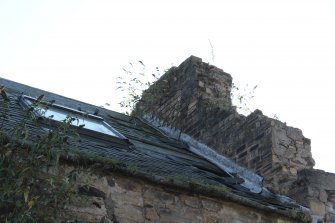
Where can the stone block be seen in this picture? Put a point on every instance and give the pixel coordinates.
(151, 214)
(313, 192)
(317, 207)
(126, 193)
(290, 152)
(153, 195)
(303, 153)
(191, 214)
(128, 213)
(210, 205)
(211, 218)
(293, 171)
(294, 133)
(129, 185)
(191, 201)
(323, 196)
(88, 209)
(101, 184)
(127, 198)
(127, 220)
(110, 181)
(91, 191)
(275, 158)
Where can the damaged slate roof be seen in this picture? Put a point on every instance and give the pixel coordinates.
(158, 153)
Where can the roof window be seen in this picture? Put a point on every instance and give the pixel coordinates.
(87, 122)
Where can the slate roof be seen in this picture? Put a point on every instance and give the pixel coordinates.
(152, 152)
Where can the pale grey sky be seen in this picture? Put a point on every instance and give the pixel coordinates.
(77, 48)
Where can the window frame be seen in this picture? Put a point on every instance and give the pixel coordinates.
(27, 102)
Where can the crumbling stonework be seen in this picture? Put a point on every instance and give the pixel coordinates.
(316, 189)
(195, 98)
(112, 197)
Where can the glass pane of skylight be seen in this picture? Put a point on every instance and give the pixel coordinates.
(88, 122)
(60, 113)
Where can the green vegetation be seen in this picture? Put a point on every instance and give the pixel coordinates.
(136, 81)
(196, 183)
(31, 188)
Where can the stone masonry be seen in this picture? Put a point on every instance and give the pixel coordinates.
(112, 197)
(195, 98)
(316, 189)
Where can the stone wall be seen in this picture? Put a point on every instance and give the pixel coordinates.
(195, 98)
(316, 189)
(113, 197)
(291, 152)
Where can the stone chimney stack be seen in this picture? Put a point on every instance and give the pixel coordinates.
(195, 98)
(186, 93)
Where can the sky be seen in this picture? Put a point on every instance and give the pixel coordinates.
(77, 48)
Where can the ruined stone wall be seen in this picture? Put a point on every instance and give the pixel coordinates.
(195, 98)
(178, 96)
(291, 152)
(113, 197)
(316, 189)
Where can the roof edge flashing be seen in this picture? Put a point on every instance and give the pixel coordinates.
(252, 181)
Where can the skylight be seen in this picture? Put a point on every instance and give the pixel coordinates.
(80, 119)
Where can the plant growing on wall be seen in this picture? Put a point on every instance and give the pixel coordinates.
(242, 97)
(133, 82)
(30, 191)
(136, 81)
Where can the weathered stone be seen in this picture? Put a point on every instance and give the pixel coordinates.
(323, 196)
(317, 190)
(310, 161)
(294, 133)
(156, 196)
(252, 216)
(128, 212)
(151, 214)
(317, 207)
(290, 152)
(127, 197)
(211, 218)
(91, 191)
(304, 153)
(210, 205)
(88, 209)
(279, 150)
(192, 214)
(127, 220)
(131, 200)
(110, 181)
(130, 186)
(204, 112)
(265, 219)
(191, 201)
(102, 185)
(126, 192)
(293, 171)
